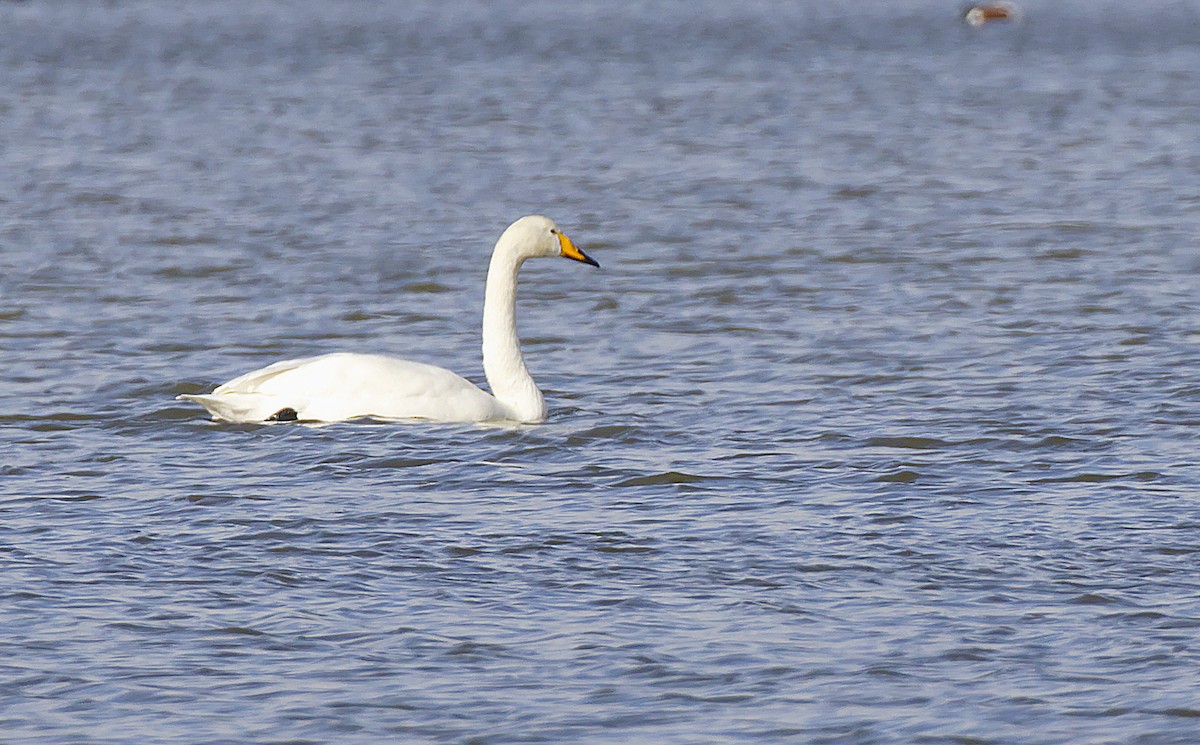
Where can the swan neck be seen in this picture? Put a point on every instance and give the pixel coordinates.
(503, 363)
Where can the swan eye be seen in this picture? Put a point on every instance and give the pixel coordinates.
(553, 231)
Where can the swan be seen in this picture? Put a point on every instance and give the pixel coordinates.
(340, 386)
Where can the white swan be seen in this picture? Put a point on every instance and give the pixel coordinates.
(340, 386)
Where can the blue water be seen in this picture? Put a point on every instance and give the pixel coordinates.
(878, 425)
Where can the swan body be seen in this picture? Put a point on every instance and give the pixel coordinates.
(339, 386)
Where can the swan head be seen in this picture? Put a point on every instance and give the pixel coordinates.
(535, 236)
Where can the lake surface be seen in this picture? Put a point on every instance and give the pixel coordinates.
(878, 425)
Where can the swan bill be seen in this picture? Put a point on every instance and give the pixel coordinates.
(570, 252)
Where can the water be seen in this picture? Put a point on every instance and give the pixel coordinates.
(879, 424)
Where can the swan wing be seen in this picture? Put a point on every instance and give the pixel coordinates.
(340, 386)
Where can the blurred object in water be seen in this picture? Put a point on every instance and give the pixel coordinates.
(978, 15)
